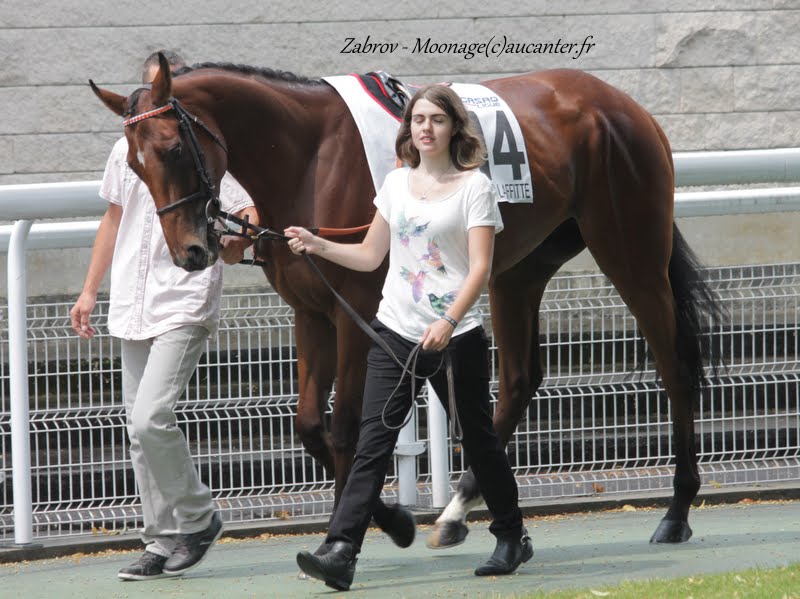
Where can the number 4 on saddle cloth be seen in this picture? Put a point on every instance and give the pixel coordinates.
(376, 101)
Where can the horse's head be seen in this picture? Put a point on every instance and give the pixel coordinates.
(181, 160)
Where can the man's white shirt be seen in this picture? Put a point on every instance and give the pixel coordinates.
(149, 294)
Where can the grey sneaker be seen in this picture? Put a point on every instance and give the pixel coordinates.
(148, 567)
(191, 549)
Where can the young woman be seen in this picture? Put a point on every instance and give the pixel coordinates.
(437, 219)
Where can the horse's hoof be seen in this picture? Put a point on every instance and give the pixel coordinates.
(401, 526)
(447, 534)
(672, 531)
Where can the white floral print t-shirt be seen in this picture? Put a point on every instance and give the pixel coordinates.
(428, 252)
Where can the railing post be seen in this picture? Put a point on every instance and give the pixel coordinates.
(18, 371)
(437, 438)
(407, 450)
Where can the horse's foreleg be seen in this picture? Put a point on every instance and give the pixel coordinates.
(316, 366)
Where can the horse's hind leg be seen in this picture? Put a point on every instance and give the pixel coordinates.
(638, 262)
(515, 298)
(650, 300)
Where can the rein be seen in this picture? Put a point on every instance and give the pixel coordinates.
(267, 233)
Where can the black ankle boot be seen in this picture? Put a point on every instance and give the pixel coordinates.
(511, 551)
(336, 568)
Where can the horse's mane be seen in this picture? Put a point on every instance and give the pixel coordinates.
(273, 74)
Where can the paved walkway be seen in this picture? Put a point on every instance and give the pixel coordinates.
(573, 551)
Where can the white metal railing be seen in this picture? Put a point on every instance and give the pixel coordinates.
(69, 200)
(48, 236)
(593, 424)
(51, 200)
(738, 167)
(72, 200)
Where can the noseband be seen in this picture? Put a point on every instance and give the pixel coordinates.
(185, 120)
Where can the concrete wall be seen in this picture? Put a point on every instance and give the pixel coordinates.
(717, 74)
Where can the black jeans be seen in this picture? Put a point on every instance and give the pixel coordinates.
(482, 449)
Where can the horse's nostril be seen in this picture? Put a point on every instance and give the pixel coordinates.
(197, 257)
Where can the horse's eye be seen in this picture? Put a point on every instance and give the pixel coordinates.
(175, 151)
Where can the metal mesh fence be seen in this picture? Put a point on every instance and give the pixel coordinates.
(593, 427)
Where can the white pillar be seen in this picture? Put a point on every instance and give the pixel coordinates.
(407, 450)
(18, 371)
(438, 455)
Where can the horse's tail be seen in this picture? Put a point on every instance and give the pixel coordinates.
(695, 305)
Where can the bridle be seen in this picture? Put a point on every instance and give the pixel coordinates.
(185, 119)
(208, 191)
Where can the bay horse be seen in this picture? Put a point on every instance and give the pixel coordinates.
(603, 177)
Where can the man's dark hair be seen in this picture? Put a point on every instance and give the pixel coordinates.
(174, 59)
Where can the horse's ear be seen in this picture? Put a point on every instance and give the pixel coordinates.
(162, 83)
(115, 102)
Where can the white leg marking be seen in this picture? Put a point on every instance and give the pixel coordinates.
(458, 509)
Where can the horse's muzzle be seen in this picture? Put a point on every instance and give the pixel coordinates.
(197, 255)
(197, 258)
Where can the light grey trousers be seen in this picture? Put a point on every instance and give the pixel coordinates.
(154, 376)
